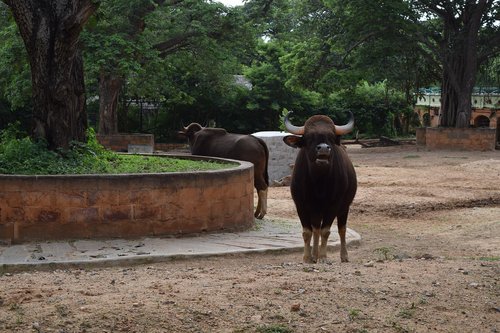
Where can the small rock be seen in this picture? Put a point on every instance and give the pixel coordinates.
(369, 264)
(256, 318)
(427, 256)
(36, 326)
(473, 284)
(295, 307)
(401, 256)
(357, 273)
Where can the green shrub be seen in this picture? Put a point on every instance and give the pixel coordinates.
(19, 154)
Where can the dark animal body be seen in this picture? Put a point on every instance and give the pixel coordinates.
(218, 142)
(323, 182)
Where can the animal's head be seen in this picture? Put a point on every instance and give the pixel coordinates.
(189, 131)
(317, 136)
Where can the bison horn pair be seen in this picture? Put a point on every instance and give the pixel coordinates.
(192, 125)
(339, 130)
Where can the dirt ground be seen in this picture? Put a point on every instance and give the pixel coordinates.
(429, 260)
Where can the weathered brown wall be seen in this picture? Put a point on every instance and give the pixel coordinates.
(120, 142)
(102, 206)
(480, 139)
(420, 136)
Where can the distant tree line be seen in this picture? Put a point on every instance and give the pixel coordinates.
(152, 65)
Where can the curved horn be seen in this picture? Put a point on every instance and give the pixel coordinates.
(347, 128)
(291, 128)
(183, 128)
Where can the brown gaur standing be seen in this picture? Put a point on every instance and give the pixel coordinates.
(218, 142)
(323, 182)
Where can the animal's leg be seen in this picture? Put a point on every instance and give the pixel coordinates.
(325, 233)
(261, 210)
(307, 235)
(257, 210)
(315, 247)
(342, 226)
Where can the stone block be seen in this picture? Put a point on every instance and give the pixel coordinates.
(42, 214)
(140, 149)
(146, 212)
(71, 199)
(115, 213)
(82, 215)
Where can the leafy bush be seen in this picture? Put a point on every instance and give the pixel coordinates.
(19, 154)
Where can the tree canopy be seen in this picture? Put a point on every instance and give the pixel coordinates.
(150, 65)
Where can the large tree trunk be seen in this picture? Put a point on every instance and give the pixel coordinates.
(459, 52)
(459, 77)
(50, 30)
(109, 89)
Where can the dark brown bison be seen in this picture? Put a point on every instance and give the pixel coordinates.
(218, 142)
(323, 182)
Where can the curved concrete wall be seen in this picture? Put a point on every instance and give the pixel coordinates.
(127, 205)
(281, 156)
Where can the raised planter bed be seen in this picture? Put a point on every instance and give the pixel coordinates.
(436, 138)
(125, 205)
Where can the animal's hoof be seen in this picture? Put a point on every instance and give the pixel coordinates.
(344, 260)
(309, 260)
(259, 216)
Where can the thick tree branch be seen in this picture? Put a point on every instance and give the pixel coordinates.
(175, 43)
(358, 43)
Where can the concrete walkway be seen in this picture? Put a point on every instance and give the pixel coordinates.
(268, 235)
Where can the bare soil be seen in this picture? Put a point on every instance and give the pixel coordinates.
(429, 261)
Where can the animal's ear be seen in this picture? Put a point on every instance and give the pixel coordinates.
(181, 134)
(293, 141)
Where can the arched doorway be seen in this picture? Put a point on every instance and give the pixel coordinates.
(426, 119)
(482, 121)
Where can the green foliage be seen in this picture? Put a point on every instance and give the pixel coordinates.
(354, 314)
(377, 110)
(15, 80)
(19, 154)
(311, 57)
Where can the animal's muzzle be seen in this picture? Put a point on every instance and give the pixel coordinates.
(323, 153)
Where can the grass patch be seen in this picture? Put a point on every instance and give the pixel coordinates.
(354, 314)
(406, 313)
(489, 258)
(384, 253)
(21, 155)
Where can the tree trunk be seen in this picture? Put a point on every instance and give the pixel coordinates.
(50, 30)
(109, 89)
(459, 78)
(459, 52)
